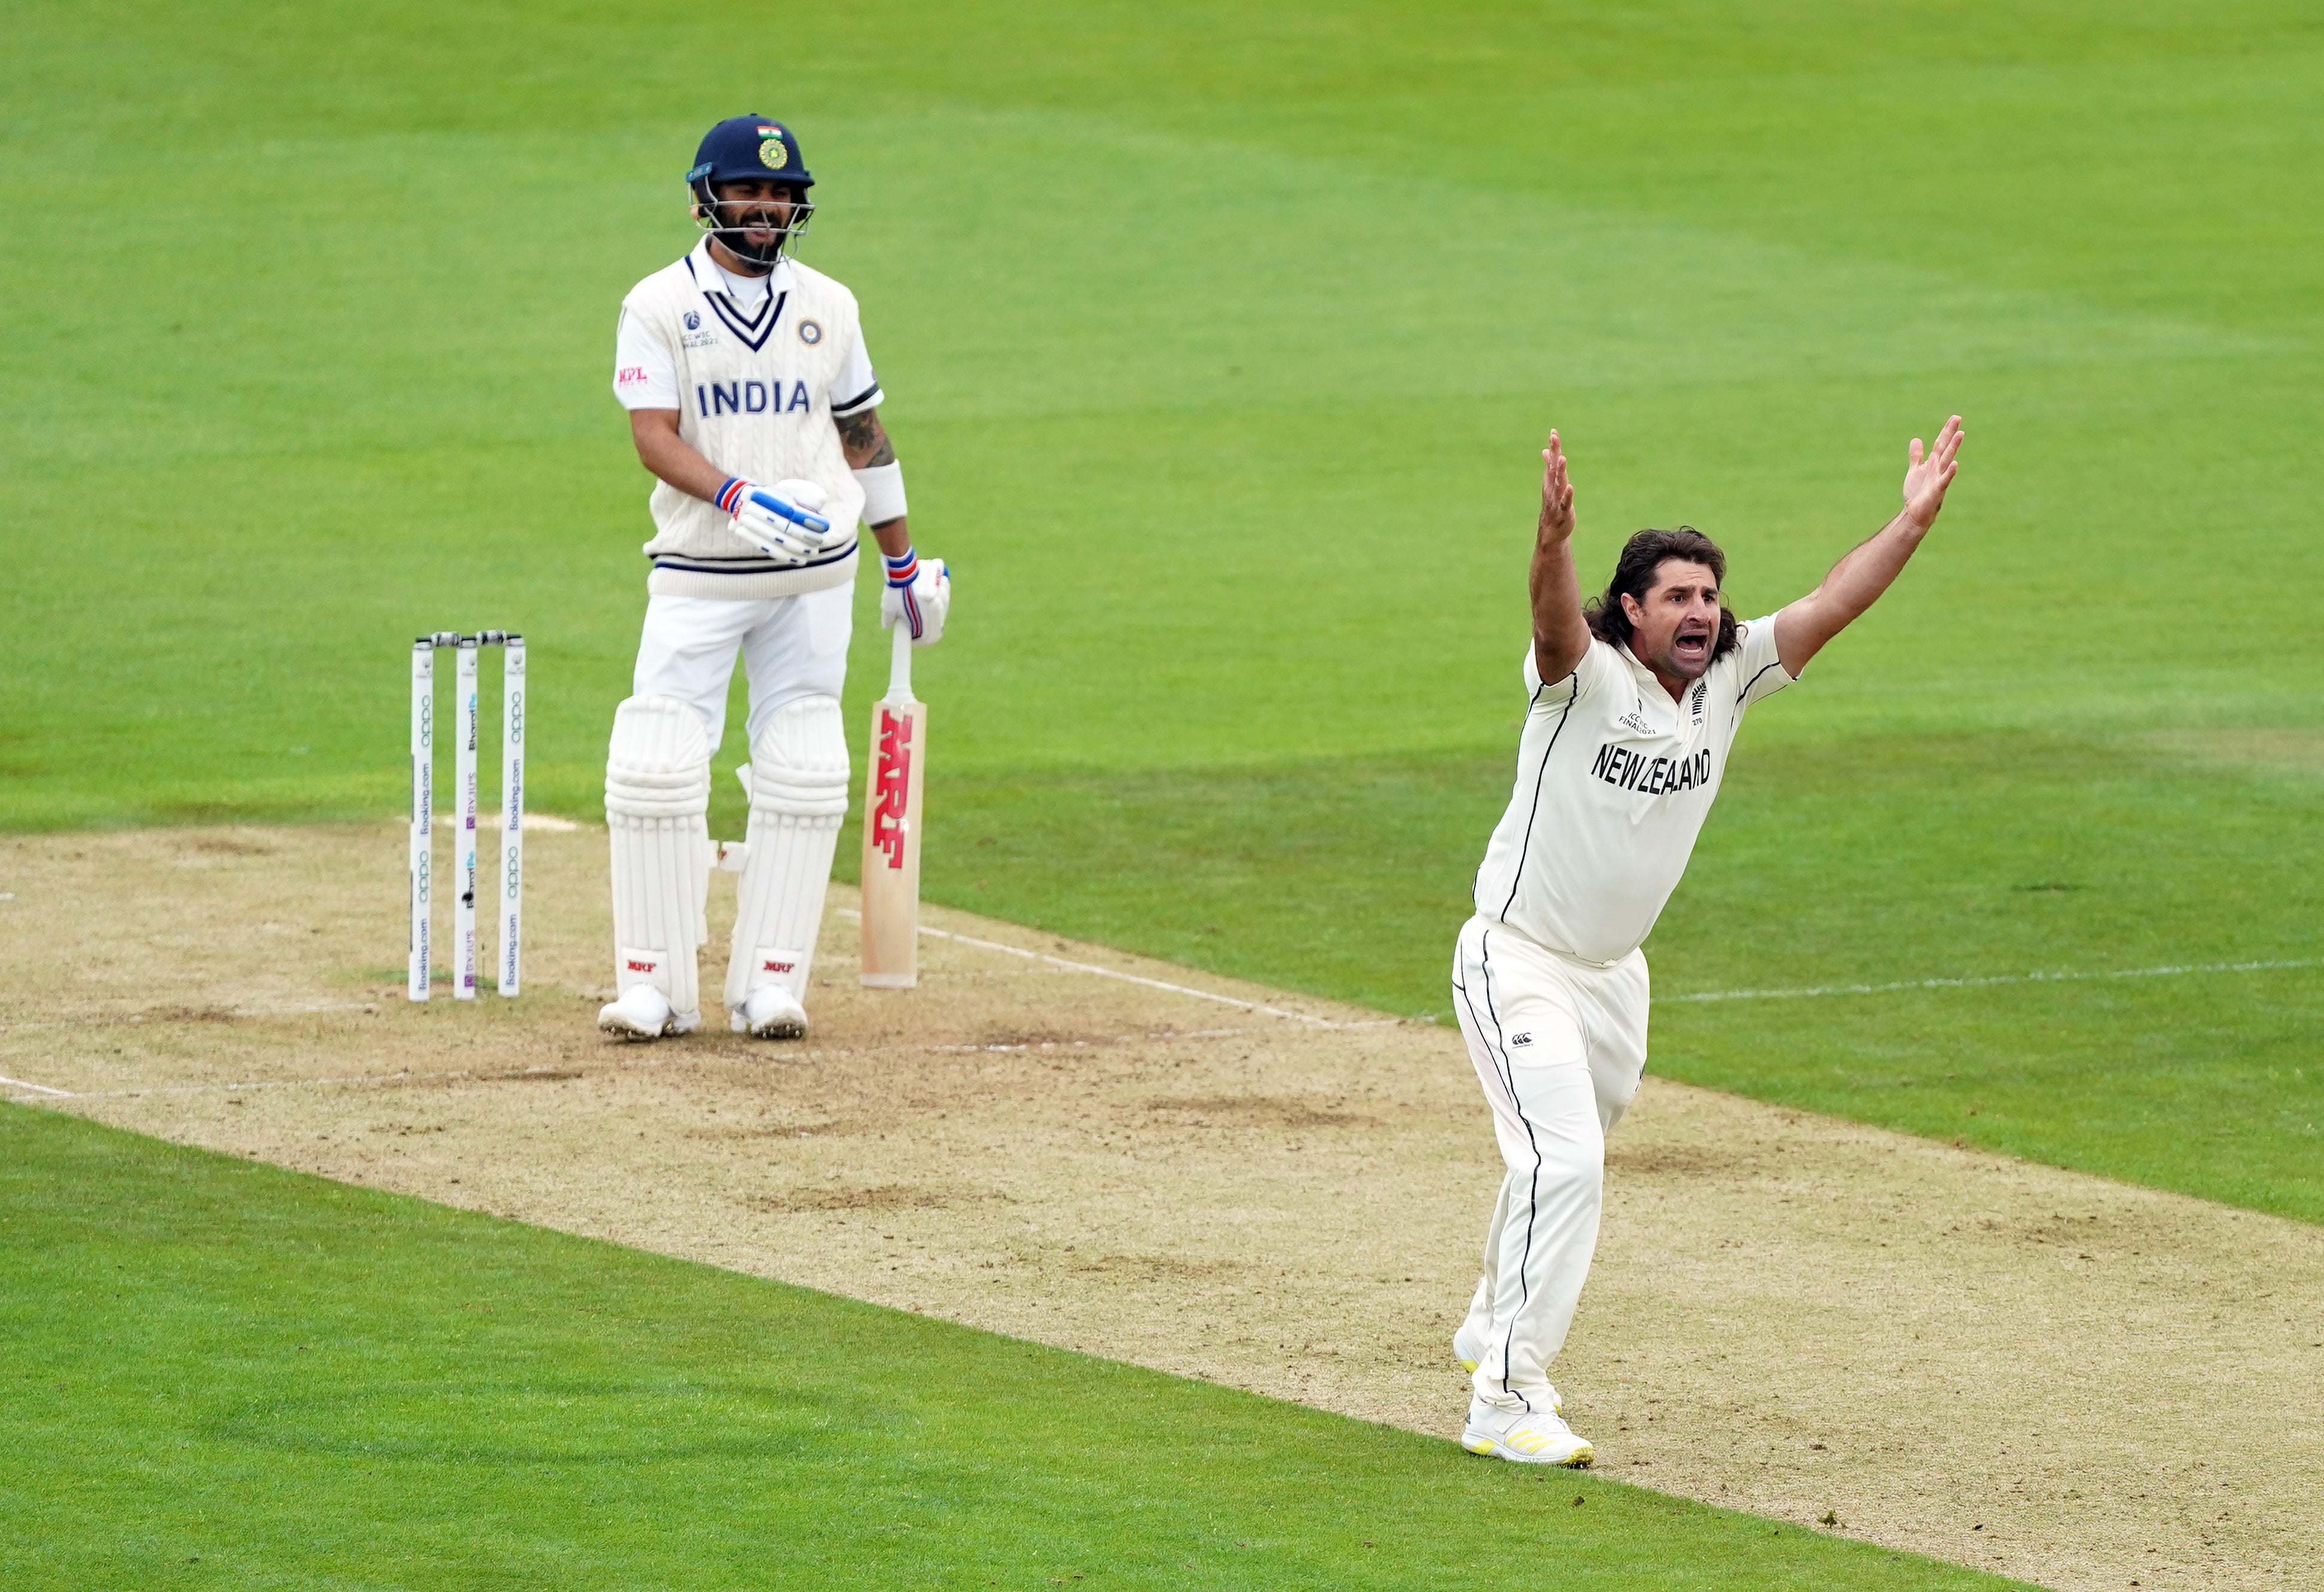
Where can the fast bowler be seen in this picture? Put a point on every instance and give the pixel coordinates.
(753, 400)
(1634, 702)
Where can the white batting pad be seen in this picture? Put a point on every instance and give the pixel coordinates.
(798, 799)
(657, 793)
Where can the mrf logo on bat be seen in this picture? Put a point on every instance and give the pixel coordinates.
(891, 789)
(895, 780)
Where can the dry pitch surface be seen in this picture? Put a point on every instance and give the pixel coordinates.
(2068, 1380)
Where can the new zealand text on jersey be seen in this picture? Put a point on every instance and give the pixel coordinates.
(748, 398)
(1625, 770)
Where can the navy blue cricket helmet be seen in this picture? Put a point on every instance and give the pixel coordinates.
(751, 148)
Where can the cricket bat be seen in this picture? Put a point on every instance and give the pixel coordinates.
(891, 828)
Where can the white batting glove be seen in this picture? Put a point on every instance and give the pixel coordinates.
(918, 594)
(785, 522)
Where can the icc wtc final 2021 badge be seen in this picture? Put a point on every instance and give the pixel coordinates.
(810, 333)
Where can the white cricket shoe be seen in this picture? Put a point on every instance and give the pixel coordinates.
(1538, 1437)
(642, 1012)
(771, 1012)
(1468, 1348)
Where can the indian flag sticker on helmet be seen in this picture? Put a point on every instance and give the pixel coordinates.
(771, 155)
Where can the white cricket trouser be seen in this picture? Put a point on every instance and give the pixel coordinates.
(791, 646)
(1560, 1046)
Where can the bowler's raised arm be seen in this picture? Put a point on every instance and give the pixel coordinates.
(1560, 634)
(1857, 581)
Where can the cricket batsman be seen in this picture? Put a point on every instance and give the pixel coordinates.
(753, 401)
(1634, 702)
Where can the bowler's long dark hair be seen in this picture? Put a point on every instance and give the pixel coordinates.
(1634, 576)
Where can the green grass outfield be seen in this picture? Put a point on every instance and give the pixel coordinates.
(1218, 339)
(234, 1376)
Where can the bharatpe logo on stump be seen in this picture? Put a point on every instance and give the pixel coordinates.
(1625, 770)
(893, 787)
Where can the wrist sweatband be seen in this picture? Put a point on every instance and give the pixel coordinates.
(731, 494)
(902, 568)
(884, 493)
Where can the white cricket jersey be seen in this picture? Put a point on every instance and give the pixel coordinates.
(1614, 780)
(756, 369)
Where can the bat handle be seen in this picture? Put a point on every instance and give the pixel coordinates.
(899, 665)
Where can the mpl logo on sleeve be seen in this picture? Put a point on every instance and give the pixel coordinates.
(892, 785)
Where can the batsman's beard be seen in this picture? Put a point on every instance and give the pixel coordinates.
(732, 222)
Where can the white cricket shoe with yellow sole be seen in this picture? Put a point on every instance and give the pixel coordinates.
(771, 1012)
(1468, 1348)
(1529, 1437)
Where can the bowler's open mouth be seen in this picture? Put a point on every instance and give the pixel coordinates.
(1691, 644)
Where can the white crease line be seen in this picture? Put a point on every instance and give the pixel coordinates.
(2140, 972)
(359, 1080)
(193, 1014)
(1107, 972)
(236, 1088)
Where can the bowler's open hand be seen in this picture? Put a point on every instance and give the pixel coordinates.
(1927, 476)
(1557, 493)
